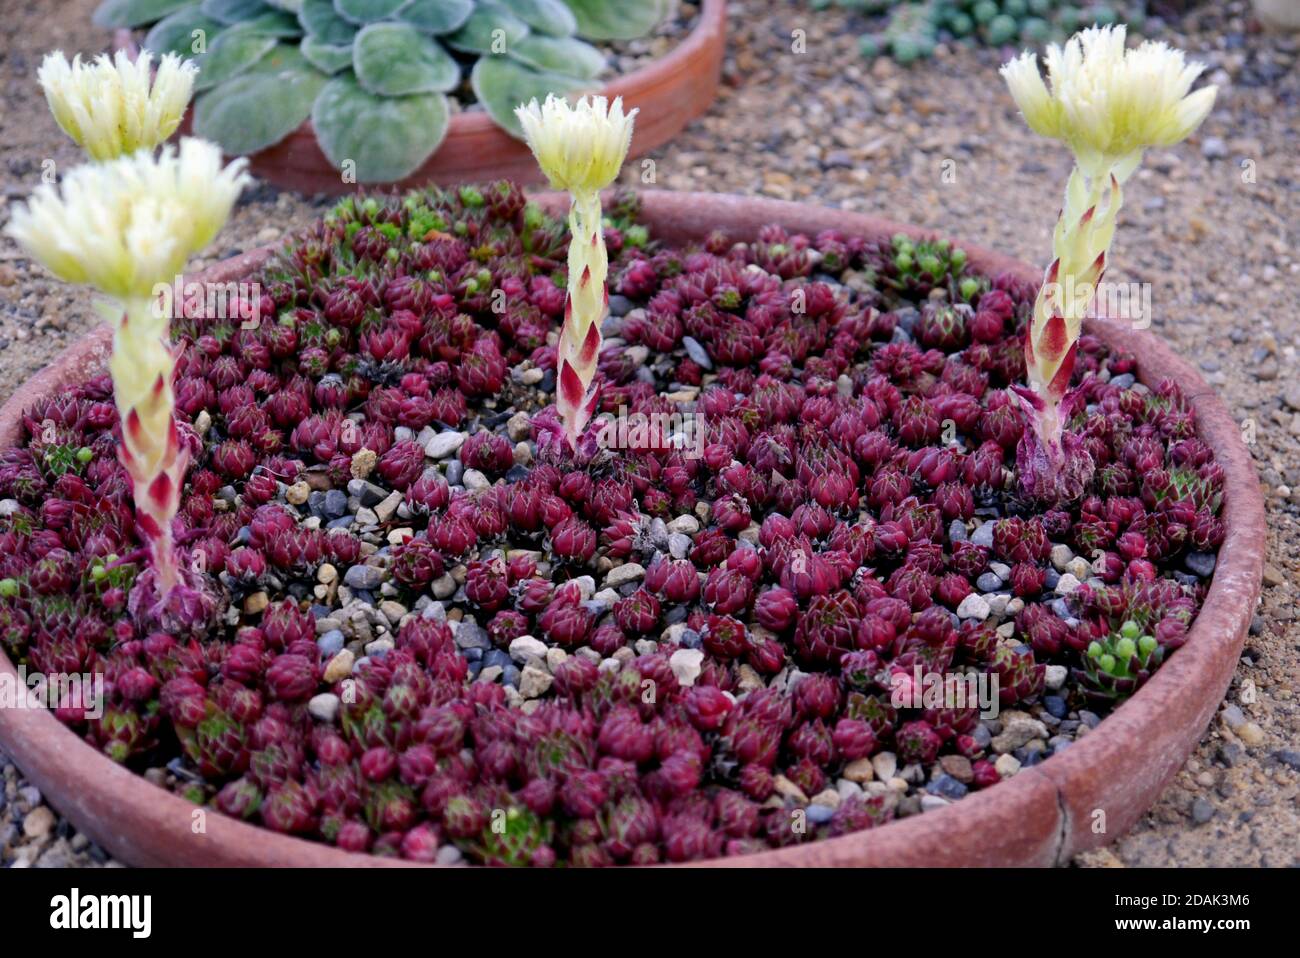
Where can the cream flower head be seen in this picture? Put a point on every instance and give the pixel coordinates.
(582, 148)
(109, 107)
(131, 223)
(1108, 104)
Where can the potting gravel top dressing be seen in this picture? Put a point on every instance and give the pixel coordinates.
(788, 585)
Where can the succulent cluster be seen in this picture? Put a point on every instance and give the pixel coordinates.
(374, 76)
(912, 28)
(426, 661)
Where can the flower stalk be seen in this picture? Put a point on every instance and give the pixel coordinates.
(127, 227)
(581, 150)
(1108, 105)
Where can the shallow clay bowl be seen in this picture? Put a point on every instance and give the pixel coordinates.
(670, 92)
(1042, 816)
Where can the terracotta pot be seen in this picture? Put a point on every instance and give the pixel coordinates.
(1043, 816)
(670, 92)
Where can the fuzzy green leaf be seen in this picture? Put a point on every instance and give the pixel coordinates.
(436, 16)
(320, 21)
(616, 19)
(326, 57)
(550, 17)
(273, 23)
(488, 30)
(230, 54)
(235, 11)
(501, 84)
(367, 11)
(288, 6)
(395, 59)
(175, 33)
(566, 55)
(262, 106)
(387, 138)
(135, 13)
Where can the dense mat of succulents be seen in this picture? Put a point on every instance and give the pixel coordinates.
(374, 76)
(441, 634)
(911, 28)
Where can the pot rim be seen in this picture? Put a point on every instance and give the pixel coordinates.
(1042, 816)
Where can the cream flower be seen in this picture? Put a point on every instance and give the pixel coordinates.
(1106, 103)
(109, 107)
(582, 148)
(128, 224)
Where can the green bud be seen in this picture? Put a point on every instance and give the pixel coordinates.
(1130, 630)
(957, 259)
(969, 287)
(98, 573)
(931, 264)
(533, 216)
(1125, 648)
(1146, 645)
(636, 235)
(903, 261)
(84, 455)
(8, 588)
(1094, 650)
(471, 196)
(1106, 663)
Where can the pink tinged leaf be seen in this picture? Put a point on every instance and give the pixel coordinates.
(134, 428)
(148, 525)
(1055, 339)
(1030, 401)
(590, 347)
(589, 407)
(585, 281)
(1054, 270)
(1061, 381)
(162, 493)
(1087, 216)
(1030, 360)
(570, 385)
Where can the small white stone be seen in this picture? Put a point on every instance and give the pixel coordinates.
(623, 574)
(1067, 584)
(445, 444)
(324, 707)
(475, 481)
(1079, 567)
(534, 682)
(1007, 765)
(525, 646)
(519, 426)
(686, 665)
(1061, 556)
(884, 764)
(974, 606)
(1054, 676)
(685, 524)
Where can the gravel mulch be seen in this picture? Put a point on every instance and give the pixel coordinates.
(1209, 224)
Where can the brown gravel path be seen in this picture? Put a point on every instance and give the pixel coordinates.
(1210, 224)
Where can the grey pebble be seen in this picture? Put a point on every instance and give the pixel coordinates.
(330, 643)
(1202, 563)
(696, 352)
(365, 577)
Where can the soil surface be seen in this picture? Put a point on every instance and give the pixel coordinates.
(1209, 224)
